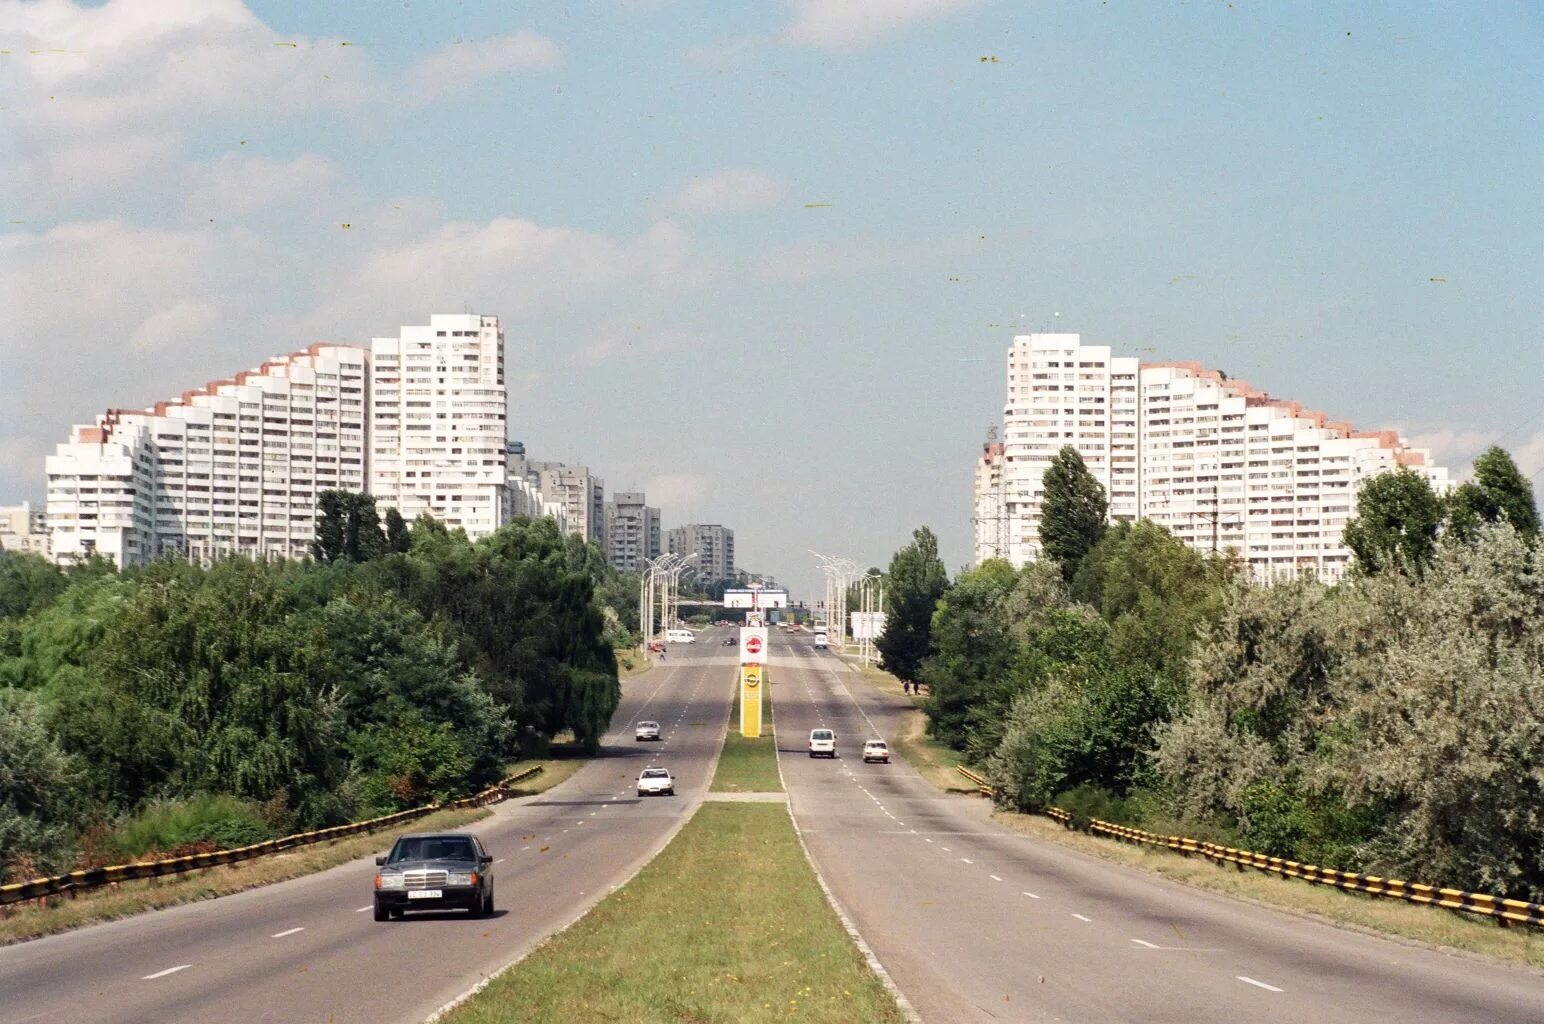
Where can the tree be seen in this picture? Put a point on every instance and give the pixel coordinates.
(1395, 527)
(28, 583)
(398, 537)
(1072, 513)
(348, 528)
(916, 580)
(1498, 493)
(38, 792)
(974, 650)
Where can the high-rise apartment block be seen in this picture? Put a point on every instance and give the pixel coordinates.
(438, 416)
(580, 494)
(233, 467)
(23, 528)
(711, 543)
(1221, 464)
(632, 532)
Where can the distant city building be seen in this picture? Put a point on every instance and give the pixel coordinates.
(438, 412)
(1222, 465)
(523, 496)
(713, 545)
(632, 531)
(580, 494)
(24, 528)
(233, 467)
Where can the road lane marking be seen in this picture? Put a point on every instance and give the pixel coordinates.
(967, 860)
(501, 860)
(1087, 920)
(994, 878)
(1145, 945)
(946, 849)
(524, 848)
(925, 839)
(162, 974)
(1258, 984)
(1031, 895)
(292, 931)
(368, 906)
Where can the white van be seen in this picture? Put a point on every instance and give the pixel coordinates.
(820, 639)
(680, 636)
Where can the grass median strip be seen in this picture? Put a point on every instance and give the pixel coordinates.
(748, 765)
(32, 921)
(727, 924)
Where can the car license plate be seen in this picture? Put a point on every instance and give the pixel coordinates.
(424, 894)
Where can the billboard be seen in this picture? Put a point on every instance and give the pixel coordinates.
(747, 598)
(867, 625)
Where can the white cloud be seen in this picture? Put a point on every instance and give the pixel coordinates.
(235, 185)
(459, 65)
(850, 24)
(732, 191)
(178, 325)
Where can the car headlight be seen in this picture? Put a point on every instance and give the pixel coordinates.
(461, 878)
(389, 880)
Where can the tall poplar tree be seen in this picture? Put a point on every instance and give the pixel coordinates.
(917, 579)
(1073, 511)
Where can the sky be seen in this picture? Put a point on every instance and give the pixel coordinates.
(765, 260)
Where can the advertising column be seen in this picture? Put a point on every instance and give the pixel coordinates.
(753, 667)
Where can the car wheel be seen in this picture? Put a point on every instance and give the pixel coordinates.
(488, 907)
(381, 913)
(670, 792)
(396, 913)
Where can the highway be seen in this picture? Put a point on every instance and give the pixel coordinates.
(308, 949)
(977, 923)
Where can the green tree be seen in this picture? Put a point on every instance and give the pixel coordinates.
(1073, 511)
(348, 527)
(38, 793)
(398, 537)
(1396, 522)
(28, 583)
(974, 651)
(916, 580)
(1499, 493)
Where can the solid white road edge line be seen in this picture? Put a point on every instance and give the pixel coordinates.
(162, 974)
(590, 904)
(1258, 984)
(292, 931)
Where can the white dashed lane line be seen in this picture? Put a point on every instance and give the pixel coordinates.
(162, 974)
(1031, 895)
(1087, 920)
(291, 931)
(1258, 984)
(994, 878)
(967, 860)
(501, 860)
(368, 906)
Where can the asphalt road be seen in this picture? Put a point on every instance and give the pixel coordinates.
(308, 950)
(978, 923)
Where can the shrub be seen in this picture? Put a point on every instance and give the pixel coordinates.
(167, 825)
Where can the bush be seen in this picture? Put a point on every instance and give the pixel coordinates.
(165, 826)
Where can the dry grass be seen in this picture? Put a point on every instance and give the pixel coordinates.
(60, 913)
(553, 771)
(631, 663)
(727, 924)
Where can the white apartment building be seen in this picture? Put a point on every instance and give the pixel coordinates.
(438, 418)
(233, 467)
(580, 494)
(24, 528)
(632, 532)
(711, 543)
(990, 518)
(1222, 465)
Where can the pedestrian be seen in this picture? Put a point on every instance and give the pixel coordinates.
(906, 685)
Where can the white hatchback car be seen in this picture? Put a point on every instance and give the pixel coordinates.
(656, 782)
(875, 750)
(646, 731)
(822, 743)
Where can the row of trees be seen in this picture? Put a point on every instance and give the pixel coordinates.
(402, 665)
(1392, 723)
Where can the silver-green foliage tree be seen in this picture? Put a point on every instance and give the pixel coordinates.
(1072, 512)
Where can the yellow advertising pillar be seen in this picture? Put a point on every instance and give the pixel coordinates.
(750, 700)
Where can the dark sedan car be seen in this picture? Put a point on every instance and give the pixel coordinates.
(434, 871)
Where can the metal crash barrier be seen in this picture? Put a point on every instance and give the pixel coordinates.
(1504, 911)
(91, 878)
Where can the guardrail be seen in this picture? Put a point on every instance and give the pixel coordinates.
(1503, 911)
(92, 878)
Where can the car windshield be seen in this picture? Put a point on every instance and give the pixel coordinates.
(655, 773)
(876, 744)
(821, 734)
(432, 848)
(648, 725)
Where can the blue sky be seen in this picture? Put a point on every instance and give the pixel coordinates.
(764, 260)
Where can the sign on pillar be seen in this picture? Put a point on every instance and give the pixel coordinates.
(753, 670)
(750, 700)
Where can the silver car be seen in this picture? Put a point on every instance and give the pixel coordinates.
(646, 731)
